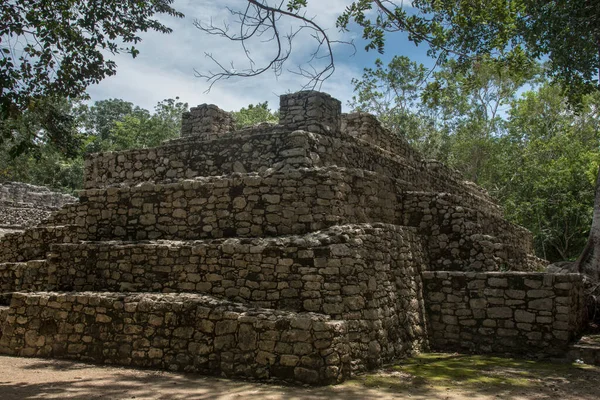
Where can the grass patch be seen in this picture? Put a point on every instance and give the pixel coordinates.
(441, 369)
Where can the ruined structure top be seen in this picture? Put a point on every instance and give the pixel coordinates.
(307, 250)
(207, 122)
(311, 111)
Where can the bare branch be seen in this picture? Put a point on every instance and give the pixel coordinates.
(263, 23)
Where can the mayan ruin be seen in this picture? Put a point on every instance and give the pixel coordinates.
(309, 251)
(24, 206)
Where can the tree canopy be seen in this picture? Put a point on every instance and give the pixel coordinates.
(56, 48)
(566, 32)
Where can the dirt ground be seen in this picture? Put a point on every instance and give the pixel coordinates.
(430, 376)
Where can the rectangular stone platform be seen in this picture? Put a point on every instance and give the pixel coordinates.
(365, 275)
(325, 231)
(273, 150)
(177, 332)
(497, 312)
(339, 272)
(295, 202)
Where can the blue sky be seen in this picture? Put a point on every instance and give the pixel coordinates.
(166, 63)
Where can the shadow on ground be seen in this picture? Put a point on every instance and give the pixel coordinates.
(429, 376)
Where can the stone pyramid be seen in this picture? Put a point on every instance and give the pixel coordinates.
(309, 250)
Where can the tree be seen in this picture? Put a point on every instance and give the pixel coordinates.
(57, 48)
(452, 115)
(47, 121)
(115, 124)
(393, 93)
(545, 169)
(469, 104)
(105, 126)
(260, 23)
(140, 129)
(254, 114)
(30, 155)
(513, 31)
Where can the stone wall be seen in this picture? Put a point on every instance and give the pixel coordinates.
(522, 313)
(319, 228)
(206, 122)
(259, 152)
(177, 332)
(38, 196)
(460, 236)
(23, 206)
(310, 111)
(20, 216)
(367, 127)
(299, 201)
(34, 243)
(32, 275)
(376, 287)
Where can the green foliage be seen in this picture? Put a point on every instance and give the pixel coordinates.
(393, 94)
(47, 121)
(546, 169)
(107, 125)
(115, 124)
(532, 152)
(47, 167)
(254, 114)
(452, 116)
(513, 31)
(469, 105)
(53, 49)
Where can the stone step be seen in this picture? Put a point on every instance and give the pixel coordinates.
(480, 253)
(347, 271)
(32, 275)
(34, 243)
(178, 332)
(186, 158)
(242, 205)
(64, 216)
(586, 350)
(446, 217)
(278, 203)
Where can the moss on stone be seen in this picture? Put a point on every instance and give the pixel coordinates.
(467, 371)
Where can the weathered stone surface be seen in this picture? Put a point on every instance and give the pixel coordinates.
(24, 206)
(189, 348)
(536, 325)
(326, 230)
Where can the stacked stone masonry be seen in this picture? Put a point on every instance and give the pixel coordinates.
(307, 250)
(24, 206)
(503, 312)
(191, 333)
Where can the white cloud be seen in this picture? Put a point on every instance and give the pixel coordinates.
(165, 66)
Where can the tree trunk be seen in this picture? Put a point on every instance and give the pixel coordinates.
(588, 262)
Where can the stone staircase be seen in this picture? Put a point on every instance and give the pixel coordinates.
(291, 251)
(586, 350)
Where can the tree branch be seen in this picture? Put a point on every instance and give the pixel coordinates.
(259, 19)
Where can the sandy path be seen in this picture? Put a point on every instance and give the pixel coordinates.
(26, 378)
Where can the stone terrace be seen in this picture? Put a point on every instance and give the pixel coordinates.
(308, 250)
(23, 206)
